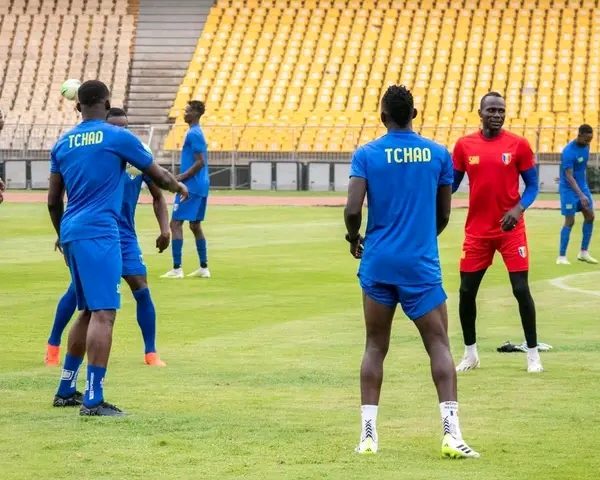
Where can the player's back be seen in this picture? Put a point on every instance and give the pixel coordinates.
(88, 159)
(575, 157)
(403, 172)
(131, 194)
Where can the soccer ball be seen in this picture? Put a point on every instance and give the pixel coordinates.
(69, 88)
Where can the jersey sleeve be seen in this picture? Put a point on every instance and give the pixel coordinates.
(197, 142)
(132, 150)
(54, 167)
(358, 167)
(567, 159)
(525, 156)
(458, 157)
(447, 172)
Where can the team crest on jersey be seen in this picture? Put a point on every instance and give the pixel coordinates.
(474, 160)
(523, 251)
(580, 159)
(506, 158)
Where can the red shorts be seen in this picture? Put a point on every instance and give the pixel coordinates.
(478, 253)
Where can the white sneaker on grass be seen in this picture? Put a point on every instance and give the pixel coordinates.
(467, 363)
(562, 260)
(584, 256)
(175, 273)
(201, 272)
(456, 448)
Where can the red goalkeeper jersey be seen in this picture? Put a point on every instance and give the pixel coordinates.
(493, 166)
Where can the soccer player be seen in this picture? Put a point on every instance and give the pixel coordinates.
(134, 269)
(194, 174)
(407, 180)
(2, 188)
(493, 159)
(575, 194)
(88, 163)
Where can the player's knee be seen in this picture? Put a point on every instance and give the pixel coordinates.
(520, 289)
(467, 291)
(378, 347)
(569, 222)
(195, 227)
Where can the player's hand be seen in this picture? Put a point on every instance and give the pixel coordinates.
(585, 202)
(511, 218)
(162, 242)
(356, 246)
(183, 191)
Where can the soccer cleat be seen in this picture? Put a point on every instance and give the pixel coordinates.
(534, 366)
(74, 400)
(562, 260)
(175, 273)
(584, 256)
(366, 446)
(201, 272)
(52, 358)
(456, 448)
(467, 363)
(102, 410)
(153, 360)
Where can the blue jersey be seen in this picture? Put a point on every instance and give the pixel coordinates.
(403, 172)
(194, 144)
(91, 160)
(575, 157)
(131, 194)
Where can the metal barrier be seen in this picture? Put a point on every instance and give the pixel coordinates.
(23, 147)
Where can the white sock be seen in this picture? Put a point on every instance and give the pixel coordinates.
(449, 413)
(471, 351)
(368, 421)
(533, 355)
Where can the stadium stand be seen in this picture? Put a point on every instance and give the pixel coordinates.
(320, 66)
(44, 42)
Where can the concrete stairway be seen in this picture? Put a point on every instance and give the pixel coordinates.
(166, 37)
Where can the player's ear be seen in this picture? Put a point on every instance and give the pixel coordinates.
(383, 117)
(78, 107)
(107, 105)
(415, 112)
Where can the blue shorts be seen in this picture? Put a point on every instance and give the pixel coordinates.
(192, 210)
(570, 204)
(133, 260)
(416, 301)
(95, 266)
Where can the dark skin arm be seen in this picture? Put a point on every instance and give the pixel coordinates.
(357, 190)
(194, 169)
(585, 204)
(165, 180)
(443, 204)
(56, 203)
(161, 213)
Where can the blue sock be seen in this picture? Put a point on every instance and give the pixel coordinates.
(565, 233)
(64, 311)
(68, 377)
(176, 248)
(94, 395)
(201, 247)
(587, 230)
(146, 318)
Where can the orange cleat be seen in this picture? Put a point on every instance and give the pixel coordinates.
(153, 360)
(52, 358)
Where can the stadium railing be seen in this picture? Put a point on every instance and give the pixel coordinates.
(24, 155)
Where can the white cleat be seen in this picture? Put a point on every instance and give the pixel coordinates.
(562, 260)
(585, 256)
(456, 448)
(534, 366)
(175, 273)
(468, 363)
(367, 446)
(201, 272)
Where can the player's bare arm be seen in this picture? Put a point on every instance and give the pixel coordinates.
(161, 213)
(443, 203)
(357, 189)
(166, 180)
(194, 169)
(56, 203)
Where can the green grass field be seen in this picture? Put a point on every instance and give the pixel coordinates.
(262, 376)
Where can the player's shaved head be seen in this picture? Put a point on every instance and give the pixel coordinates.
(489, 95)
(92, 92)
(397, 107)
(118, 117)
(116, 112)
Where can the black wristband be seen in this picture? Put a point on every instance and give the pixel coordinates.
(352, 240)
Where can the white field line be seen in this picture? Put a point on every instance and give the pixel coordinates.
(561, 282)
